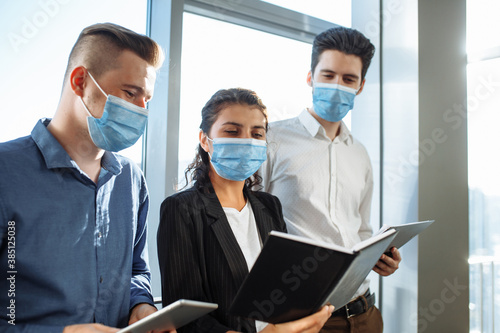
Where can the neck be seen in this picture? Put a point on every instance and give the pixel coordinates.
(229, 192)
(76, 140)
(332, 129)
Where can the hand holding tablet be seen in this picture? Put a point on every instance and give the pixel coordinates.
(171, 317)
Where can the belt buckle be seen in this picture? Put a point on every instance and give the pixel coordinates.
(347, 312)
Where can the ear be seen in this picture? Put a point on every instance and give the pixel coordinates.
(204, 141)
(77, 80)
(361, 87)
(309, 79)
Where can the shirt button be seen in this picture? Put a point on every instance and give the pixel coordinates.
(100, 280)
(100, 234)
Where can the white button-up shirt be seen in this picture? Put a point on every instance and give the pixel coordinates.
(325, 186)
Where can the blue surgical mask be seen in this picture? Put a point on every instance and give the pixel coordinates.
(237, 159)
(121, 125)
(332, 102)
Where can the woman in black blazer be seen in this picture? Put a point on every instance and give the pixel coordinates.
(204, 250)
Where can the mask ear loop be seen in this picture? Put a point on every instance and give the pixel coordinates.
(98, 86)
(208, 152)
(85, 107)
(81, 99)
(208, 138)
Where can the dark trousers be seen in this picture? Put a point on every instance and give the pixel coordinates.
(368, 322)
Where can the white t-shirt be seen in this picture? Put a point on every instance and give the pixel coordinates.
(245, 230)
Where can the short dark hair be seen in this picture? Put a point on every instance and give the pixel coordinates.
(346, 40)
(199, 169)
(99, 45)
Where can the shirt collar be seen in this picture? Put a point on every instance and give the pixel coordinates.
(111, 163)
(56, 157)
(314, 128)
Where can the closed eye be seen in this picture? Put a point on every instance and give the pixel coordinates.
(129, 94)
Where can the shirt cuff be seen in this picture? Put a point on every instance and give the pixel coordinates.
(141, 299)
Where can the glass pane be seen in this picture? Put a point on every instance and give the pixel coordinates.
(484, 191)
(336, 11)
(38, 39)
(218, 55)
(483, 26)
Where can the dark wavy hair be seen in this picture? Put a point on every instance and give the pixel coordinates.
(198, 171)
(346, 40)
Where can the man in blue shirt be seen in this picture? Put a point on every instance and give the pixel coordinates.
(73, 213)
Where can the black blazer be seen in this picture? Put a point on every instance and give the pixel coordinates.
(200, 258)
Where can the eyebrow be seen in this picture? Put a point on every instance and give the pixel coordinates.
(240, 125)
(333, 72)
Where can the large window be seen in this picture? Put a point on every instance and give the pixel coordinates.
(218, 55)
(483, 77)
(225, 43)
(484, 193)
(37, 39)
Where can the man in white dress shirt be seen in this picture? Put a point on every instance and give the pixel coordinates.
(321, 174)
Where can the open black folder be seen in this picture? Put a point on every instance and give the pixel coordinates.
(294, 276)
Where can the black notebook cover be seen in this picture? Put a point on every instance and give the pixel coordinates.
(294, 276)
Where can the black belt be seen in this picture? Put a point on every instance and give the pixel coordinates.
(358, 306)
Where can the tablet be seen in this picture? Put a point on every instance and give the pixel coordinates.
(406, 232)
(172, 316)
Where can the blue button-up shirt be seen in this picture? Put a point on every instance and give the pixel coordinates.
(71, 251)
